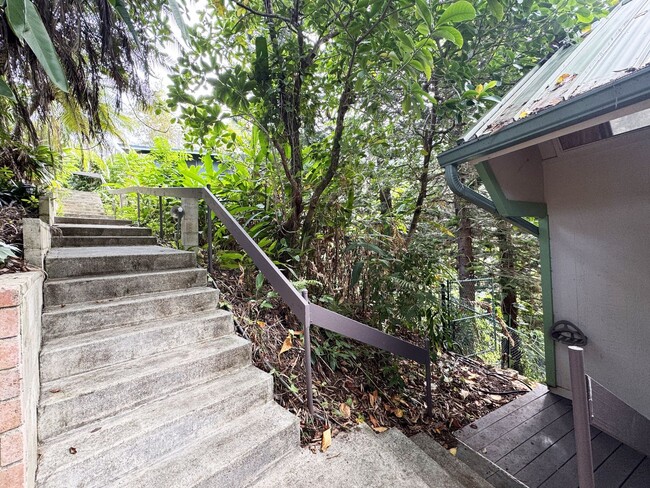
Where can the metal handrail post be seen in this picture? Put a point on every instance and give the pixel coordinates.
(307, 339)
(138, 209)
(581, 424)
(160, 216)
(427, 368)
(208, 224)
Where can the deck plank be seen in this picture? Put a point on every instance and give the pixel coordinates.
(523, 432)
(641, 476)
(617, 467)
(499, 428)
(468, 432)
(566, 477)
(527, 452)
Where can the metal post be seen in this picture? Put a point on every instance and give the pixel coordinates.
(427, 366)
(581, 427)
(138, 209)
(307, 338)
(160, 216)
(208, 225)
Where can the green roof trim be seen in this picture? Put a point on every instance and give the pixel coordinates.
(505, 207)
(547, 300)
(625, 92)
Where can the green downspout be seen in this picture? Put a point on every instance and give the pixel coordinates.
(513, 211)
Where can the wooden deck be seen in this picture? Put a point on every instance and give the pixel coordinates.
(531, 440)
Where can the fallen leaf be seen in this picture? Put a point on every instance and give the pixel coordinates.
(287, 344)
(373, 397)
(72, 450)
(453, 451)
(326, 440)
(345, 410)
(523, 114)
(380, 429)
(496, 398)
(464, 394)
(564, 77)
(399, 413)
(373, 421)
(261, 324)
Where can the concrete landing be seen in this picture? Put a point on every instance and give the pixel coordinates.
(361, 458)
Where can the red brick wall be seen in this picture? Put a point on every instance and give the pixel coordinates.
(12, 467)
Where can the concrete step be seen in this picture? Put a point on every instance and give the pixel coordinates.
(68, 291)
(360, 458)
(93, 241)
(463, 473)
(95, 220)
(65, 262)
(102, 230)
(236, 454)
(109, 448)
(74, 401)
(66, 320)
(67, 356)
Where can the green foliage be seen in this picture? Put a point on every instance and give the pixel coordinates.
(7, 251)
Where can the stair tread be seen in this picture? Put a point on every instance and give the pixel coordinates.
(105, 435)
(103, 251)
(127, 276)
(196, 462)
(127, 300)
(70, 342)
(98, 226)
(64, 389)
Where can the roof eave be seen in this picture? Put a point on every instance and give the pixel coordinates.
(624, 92)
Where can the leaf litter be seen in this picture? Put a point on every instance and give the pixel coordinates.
(382, 390)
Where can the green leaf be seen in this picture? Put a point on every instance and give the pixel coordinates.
(123, 14)
(177, 13)
(259, 281)
(423, 29)
(5, 91)
(457, 12)
(356, 273)
(424, 10)
(450, 33)
(15, 11)
(496, 8)
(26, 23)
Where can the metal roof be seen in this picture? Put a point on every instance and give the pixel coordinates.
(616, 51)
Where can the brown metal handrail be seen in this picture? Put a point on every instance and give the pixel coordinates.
(307, 312)
(593, 404)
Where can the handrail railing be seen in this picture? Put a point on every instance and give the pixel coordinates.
(308, 313)
(593, 404)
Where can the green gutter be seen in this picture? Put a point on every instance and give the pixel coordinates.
(630, 90)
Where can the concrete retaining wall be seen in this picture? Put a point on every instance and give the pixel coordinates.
(21, 300)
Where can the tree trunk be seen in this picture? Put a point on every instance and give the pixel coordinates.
(464, 334)
(511, 346)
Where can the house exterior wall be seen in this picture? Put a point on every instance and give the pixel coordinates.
(598, 200)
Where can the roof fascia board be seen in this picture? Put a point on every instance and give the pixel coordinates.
(506, 207)
(600, 102)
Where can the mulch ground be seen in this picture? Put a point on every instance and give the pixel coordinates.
(11, 232)
(355, 383)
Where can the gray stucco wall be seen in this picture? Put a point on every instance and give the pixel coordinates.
(598, 199)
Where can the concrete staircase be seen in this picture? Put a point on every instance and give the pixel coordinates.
(143, 382)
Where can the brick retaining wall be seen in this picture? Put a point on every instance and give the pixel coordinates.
(20, 322)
